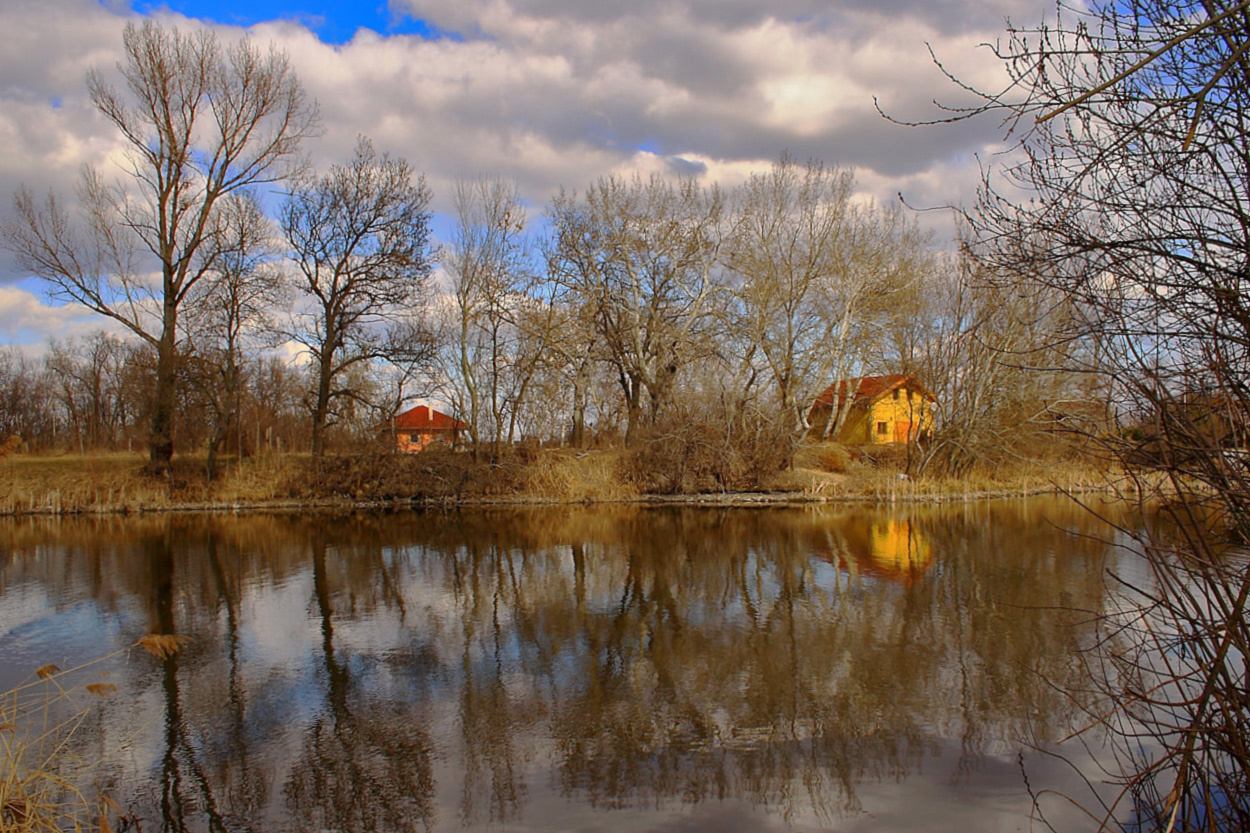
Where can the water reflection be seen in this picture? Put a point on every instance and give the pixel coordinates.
(371, 673)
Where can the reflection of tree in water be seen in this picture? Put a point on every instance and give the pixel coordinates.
(366, 762)
(788, 687)
(207, 778)
(785, 658)
(730, 703)
(487, 587)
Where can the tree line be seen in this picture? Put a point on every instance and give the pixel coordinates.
(641, 310)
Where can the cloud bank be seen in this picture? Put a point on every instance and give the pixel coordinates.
(556, 93)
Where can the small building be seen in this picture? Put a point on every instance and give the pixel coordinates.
(420, 427)
(883, 409)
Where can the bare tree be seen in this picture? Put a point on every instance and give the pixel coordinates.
(494, 350)
(998, 358)
(199, 122)
(360, 238)
(640, 256)
(26, 407)
(790, 226)
(88, 378)
(815, 278)
(230, 305)
(1137, 169)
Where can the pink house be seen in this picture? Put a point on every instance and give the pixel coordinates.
(417, 428)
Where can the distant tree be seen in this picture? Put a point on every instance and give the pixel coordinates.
(639, 256)
(90, 377)
(790, 234)
(274, 405)
(360, 240)
(26, 409)
(814, 277)
(199, 122)
(230, 305)
(493, 351)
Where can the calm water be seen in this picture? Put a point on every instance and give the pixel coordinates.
(624, 669)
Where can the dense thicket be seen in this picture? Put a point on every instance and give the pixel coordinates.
(691, 324)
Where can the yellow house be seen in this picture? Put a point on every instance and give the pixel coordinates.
(883, 409)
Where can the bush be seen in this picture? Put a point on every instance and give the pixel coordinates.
(834, 459)
(709, 450)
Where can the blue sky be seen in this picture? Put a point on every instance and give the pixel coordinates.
(332, 22)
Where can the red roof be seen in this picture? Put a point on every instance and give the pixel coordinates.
(425, 418)
(869, 388)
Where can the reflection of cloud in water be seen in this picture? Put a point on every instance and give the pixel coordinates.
(684, 669)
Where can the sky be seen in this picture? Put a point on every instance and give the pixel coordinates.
(549, 93)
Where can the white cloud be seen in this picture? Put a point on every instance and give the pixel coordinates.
(558, 92)
(27, 319)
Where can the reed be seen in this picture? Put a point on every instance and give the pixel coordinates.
(40, 772)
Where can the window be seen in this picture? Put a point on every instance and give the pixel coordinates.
(881, 428)
(896, 394)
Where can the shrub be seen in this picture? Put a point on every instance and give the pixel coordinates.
(710, 449)
(834, 458)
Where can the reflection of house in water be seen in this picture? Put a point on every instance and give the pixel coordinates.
(893, 549)
(898, 550)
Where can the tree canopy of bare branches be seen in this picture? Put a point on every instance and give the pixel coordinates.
(641, 255)
(199, 121)
(1135, 161)
(360, 238)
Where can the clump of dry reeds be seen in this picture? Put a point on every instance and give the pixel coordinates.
(40, 772)
(567, 476)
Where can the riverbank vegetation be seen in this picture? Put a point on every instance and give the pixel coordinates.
(42, 773)
(118, 483)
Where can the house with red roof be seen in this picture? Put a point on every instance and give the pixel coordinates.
(894, 408)
(420, 427)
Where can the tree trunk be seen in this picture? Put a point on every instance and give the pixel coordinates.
(633, 406)
(321, 408)
(161, 440)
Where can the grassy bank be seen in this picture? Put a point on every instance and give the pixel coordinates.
(107, 484)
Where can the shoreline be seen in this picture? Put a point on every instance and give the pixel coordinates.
(720, 500)
(115, 485)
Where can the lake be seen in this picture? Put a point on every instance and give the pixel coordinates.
(576, 669)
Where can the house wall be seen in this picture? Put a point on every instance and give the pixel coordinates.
(412, 441)
(903, 419)
(855, 429)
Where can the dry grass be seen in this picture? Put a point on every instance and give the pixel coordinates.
(110, 484)
(564, 476)
(39, 772)
(886, 481)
